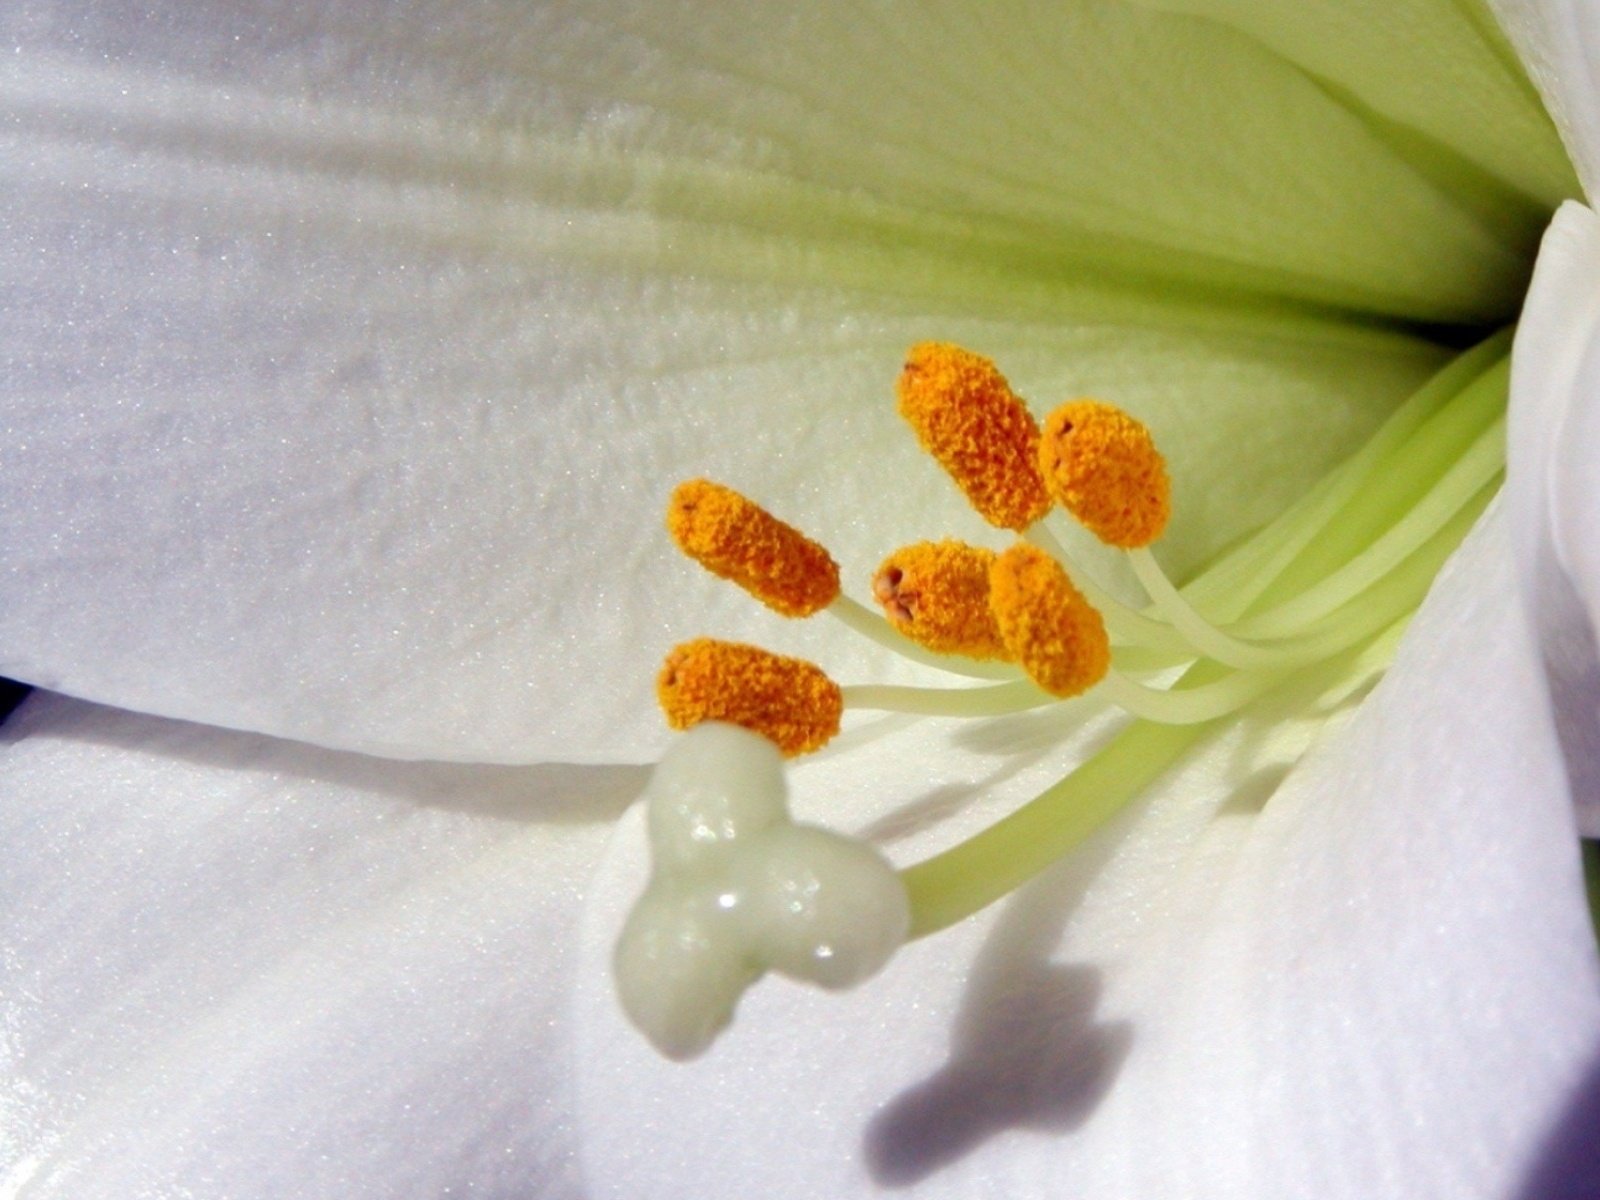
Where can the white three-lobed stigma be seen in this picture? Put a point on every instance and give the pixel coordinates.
(737, 889)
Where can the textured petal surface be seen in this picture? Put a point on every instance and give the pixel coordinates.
(349, 359)
(1554, 434)
(1466, 98)
(1559, 44)
(1380, 984)
(245, 968)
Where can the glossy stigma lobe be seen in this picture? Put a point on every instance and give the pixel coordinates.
(738, 889)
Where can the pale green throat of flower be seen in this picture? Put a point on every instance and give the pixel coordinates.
(1301, 615)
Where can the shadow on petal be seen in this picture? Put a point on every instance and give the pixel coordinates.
(1568, 1167)
(1039, 732)
(1572, 669)
(1253, 792)
(1031, 1059)
(932, 808)
(1016, 743)
(563, 793)
(1026, 1051)
(12, 694)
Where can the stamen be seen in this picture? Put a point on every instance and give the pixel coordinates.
(739, 540)
(1103, 467)
(1299, 550)
(966, 415)
(1298, 616)
(937, 594)
(1047, 625)
(787, 700)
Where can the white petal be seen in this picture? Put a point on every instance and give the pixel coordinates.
(1381, 985)
(307, 433)
(247, 968)
(1436, 69)
(1133, 139)
(1559, 43)
(1554, 435)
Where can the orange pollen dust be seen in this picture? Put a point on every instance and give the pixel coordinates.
(739, 540)
(1052, 632)
(1103, 467)
(787, 700)
(966, 415)
(937, 594)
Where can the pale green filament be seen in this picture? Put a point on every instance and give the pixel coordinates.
(1178, 629)
(1229, 586)
(1334, 580)
(1177, 706)
(1481, 465)
(991, 701)
(1187, 705)
(951, 886)
(873, 627)
(1205, 637)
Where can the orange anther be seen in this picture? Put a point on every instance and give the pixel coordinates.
(937, 594)
(1049, 629)
(1104, 468)
(787, 700)
(966, 415)
(739, 540)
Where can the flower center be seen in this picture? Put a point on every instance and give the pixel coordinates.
(1304, 612)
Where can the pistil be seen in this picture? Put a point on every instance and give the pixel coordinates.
(1306, 610)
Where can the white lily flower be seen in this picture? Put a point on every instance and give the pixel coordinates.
(352, 351)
